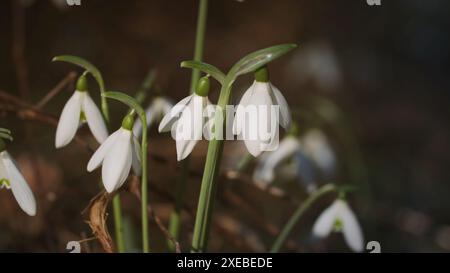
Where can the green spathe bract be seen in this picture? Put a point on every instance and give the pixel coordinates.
(250, 63)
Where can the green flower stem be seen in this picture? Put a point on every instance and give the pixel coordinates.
(175, 218)
(199, 40)
(144, 187)
(117, 205)
(209, 180)
(298, 214)
(120, 240)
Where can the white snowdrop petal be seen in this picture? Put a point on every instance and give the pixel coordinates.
(136, 157)
(262, 101)
(19, 186)
(266, 168)
(69, 120)
(263, 174)
(285, 112)
(350, 227)
(3, 173)
(325, 223)
(137, 127)
(240, 111)
(117, 162)
(184, 148)
(287, 147)
(94, 119)
(99, 155)
(209, 120)
(253, 147)
(170, 118)
(167, 105)
(198, 104)
(319, 149)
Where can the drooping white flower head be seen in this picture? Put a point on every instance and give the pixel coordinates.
(80, 108)
(186, 119)
(117, 154)
(265, 169)
(318, 148)
(158, 108)
(255, 118)
(11, 178)
(340, 217)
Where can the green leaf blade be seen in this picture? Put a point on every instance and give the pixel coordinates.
(84, 64)
(258, 59)
(129, 101)
(206, 68)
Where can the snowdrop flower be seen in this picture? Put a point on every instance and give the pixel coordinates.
(80, 108)
(117, 154)
(11, 178)
(339, 217)
(186, 119)
(159, 107)
(265, 169)
(318, 148)
(262, 95)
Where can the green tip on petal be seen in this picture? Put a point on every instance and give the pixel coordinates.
(128, 122)
(262, 74)
(82, 83)
(5, 183)
(338, 225)
(203, 86)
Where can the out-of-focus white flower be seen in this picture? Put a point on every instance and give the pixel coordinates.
(339, 217)
(262, 96)
(319, 63)
(80, 108)
(316, 145)
(60, 4)
(117, 154)
(265, 169)
(158, 108)
(11, 178)
(186, 119)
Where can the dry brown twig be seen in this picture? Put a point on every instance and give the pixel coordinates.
(66, 81)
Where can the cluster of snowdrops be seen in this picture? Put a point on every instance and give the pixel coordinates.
(121, 151)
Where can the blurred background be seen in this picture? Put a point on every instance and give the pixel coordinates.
(372, 79)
